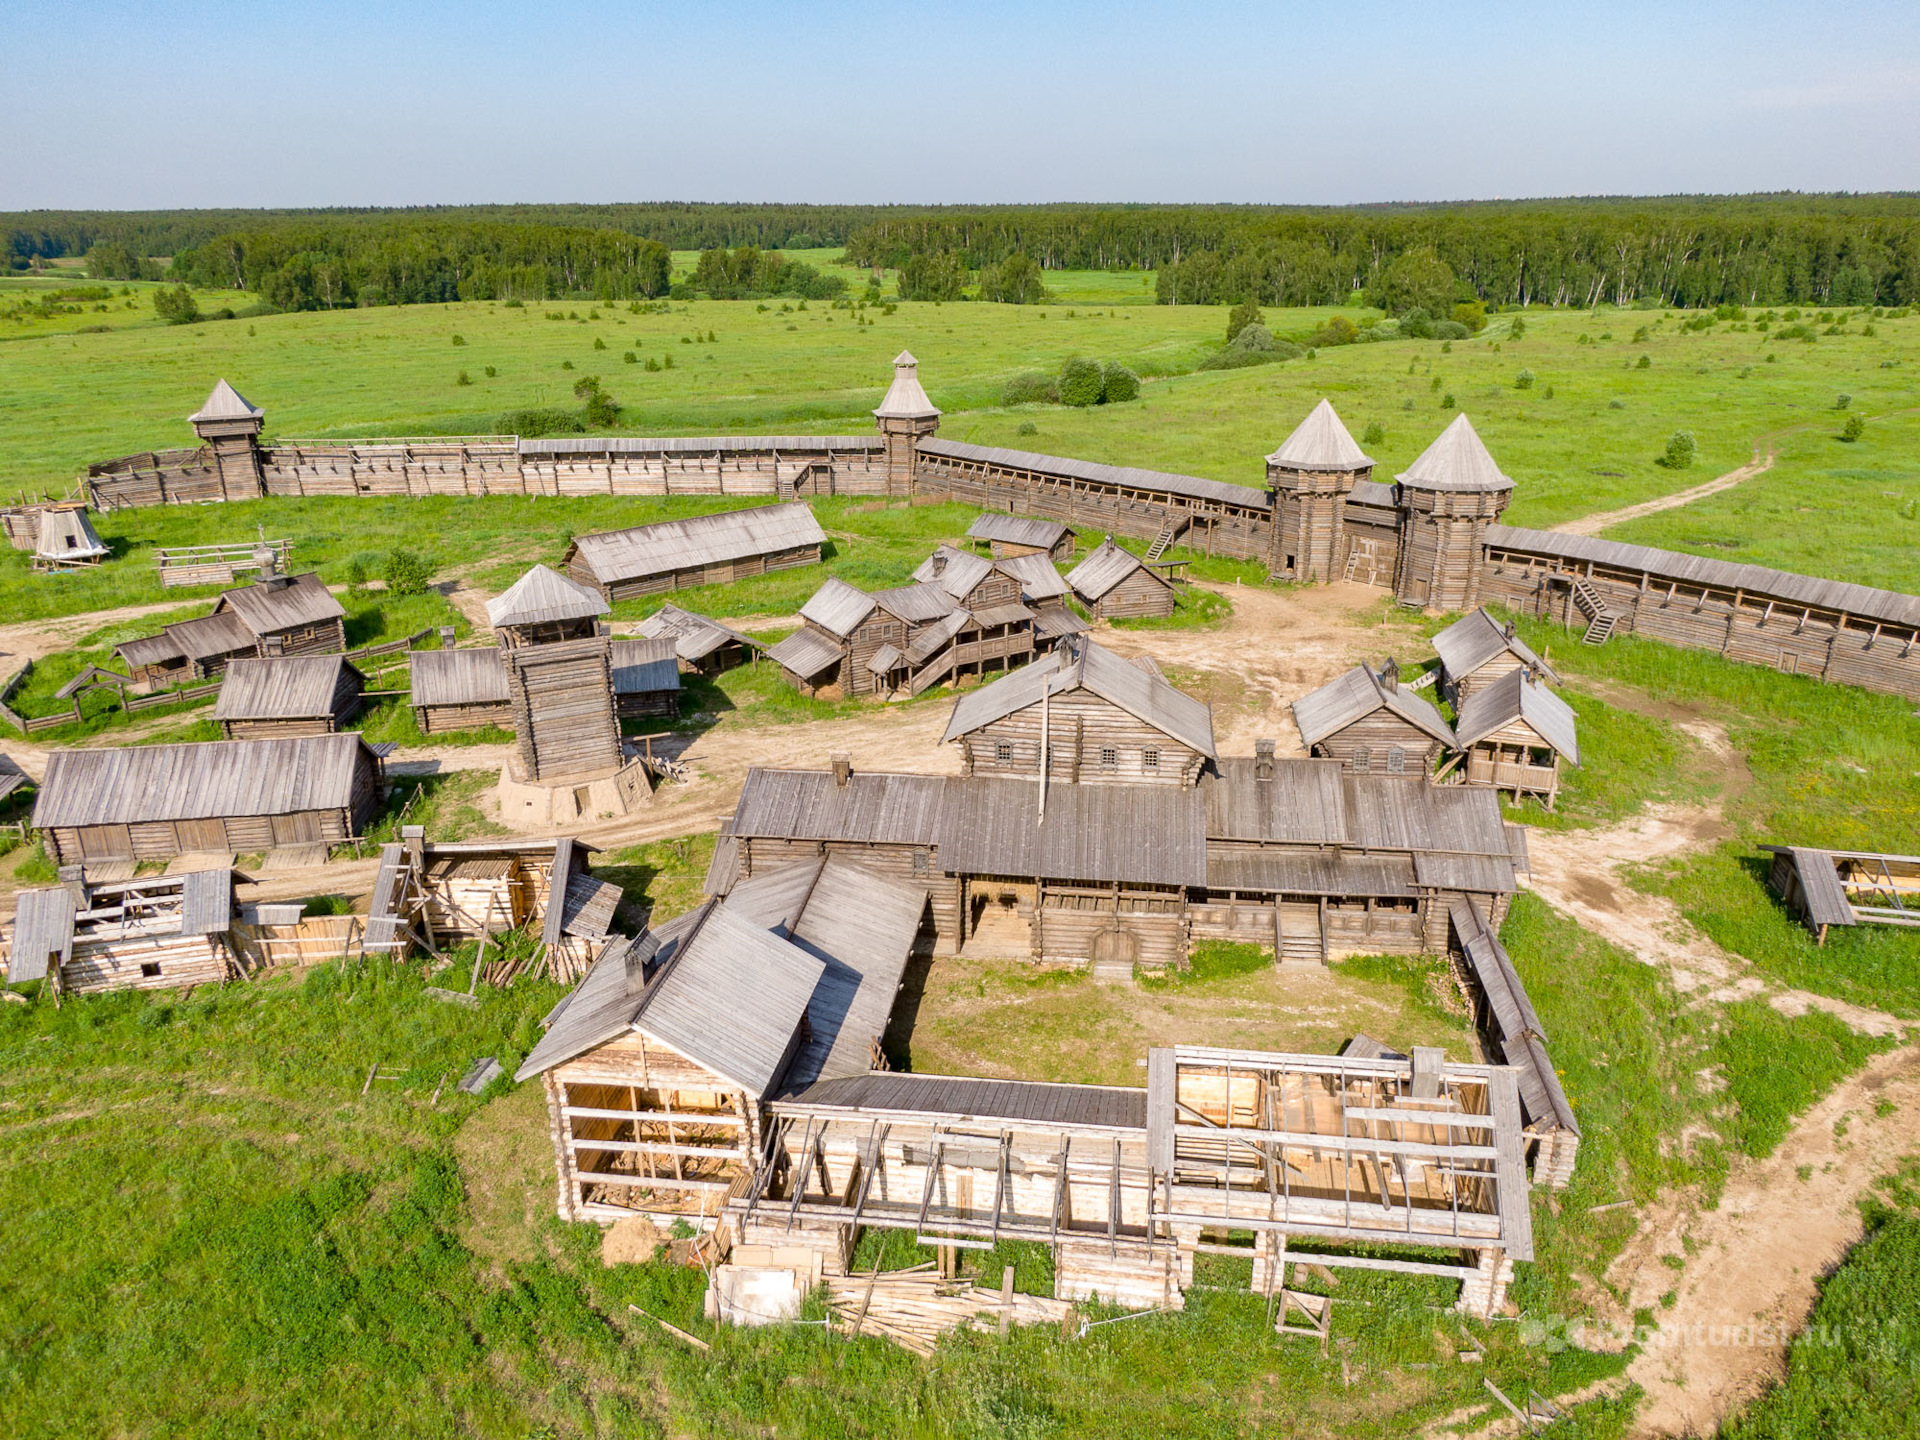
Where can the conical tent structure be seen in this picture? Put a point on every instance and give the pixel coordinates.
(1457, 460)
(903, 417)
(225, 403)
(1321, 442)
(67, 537)
(906, 399)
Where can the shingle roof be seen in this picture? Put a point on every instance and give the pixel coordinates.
(129, 784)
(458, 677)
(1105, 568)
(695, 636)
(837, 607)
(905, 399)
(807, 805)
(954, 571)
(1474, 639)
(42, 928)
(221, 633)
(1457, 460)
(541, 596)
(1357, 694)
(1147, 698)
(699, 540)
(933, 638)
(282, 687)
(1017, 530)
(67, 534)
(965, 1098)
(915, 604)
(226, 403)
(1036, 574)
(644, 667)
(282, 603)
(805, 652)
(1320, 442)
(1150, 834)
(1515, 697)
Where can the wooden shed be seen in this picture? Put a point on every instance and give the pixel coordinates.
(558, 659)
(1514, 733)
(153, 933)
(287, 695)
(700, 550)
(1115, 584)
(279, 615)
(187, 650)
(149, 802)
(459, 690)
(1846, 887)
(658, 1067)
(704, 646)
(1368, 720)
(1477, 650)
(1010, 535)
(66, 540)
(1100, 718)
(646, 678)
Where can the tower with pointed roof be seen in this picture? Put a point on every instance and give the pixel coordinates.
(230, 426)
(1308, 480)
(1448, 499)
(904, 416)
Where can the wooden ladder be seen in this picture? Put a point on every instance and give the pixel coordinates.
(1600, 620)
(1173, 526)
(1364, 553)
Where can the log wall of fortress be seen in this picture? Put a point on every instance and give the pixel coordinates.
(1842, 633)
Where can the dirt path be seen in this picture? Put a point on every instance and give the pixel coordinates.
(1594, 524)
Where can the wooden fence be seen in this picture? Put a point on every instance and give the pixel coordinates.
(218, 564)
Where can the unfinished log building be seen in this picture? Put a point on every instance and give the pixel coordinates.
(701, 550)
(559, 662)
(1433, 537)
(150, 802)
(1115, 584)
(153, 933)
(287, 695)
(1368, 720)
(277, 615)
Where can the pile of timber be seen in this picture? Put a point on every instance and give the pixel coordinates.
(915, 1307)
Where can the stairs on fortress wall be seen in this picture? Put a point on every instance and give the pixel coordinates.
(1600, 620)
(1168, 531)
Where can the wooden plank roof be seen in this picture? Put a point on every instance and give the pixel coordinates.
(906, 399)
(281, 602)
(42, 927)
(698, 540)
(66, 533)
(1136, 834)
(1105, 567)
(1379, 493)
(1320, 442)
(458, 677)
(1054, 620)
(607, 445)
(1084, 664)
(1474, 639)
(1017, 530)
(281, 687)
(1822, 895)
(124, 785)
(695, 636)
(542, 596)
(12, 777)
(1304, 803)
(915, 604)
(1514, 696)
(645, 667)
(954, 571)
(837, 607)
(1456, 460)
(1357, 694)
(1810, 592)
(226, 403)
(1188, 487)
(1309, 872)
(934, 637)
(962, 1098)
(805, 652)
(808, 805)
(1036, 575)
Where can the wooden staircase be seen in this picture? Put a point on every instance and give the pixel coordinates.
(1168, 531)
(1600, 620)
(1297, 944)
(1364, 562)
(932, 673)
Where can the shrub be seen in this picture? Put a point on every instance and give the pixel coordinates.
(1518, 329)
(1374, 434)
(1853, 429)
(1616, 404)
(1523, 381)
(598, 343)
(1645, 362)
(465, 379)
(1680, 451)
(1253, 337)
(600, 408)
(1840, 402)
(545, 420)
(1027, 427)
(1417, 279)
(407, 572)
(1417, 324)
(356, 574)
(1450, 330)
(1547, 394)
(459, 339)
(1246, 313)
(1118, 384)
(1080, 382)
(176, 306)
(629, 358)
(1032, 388)
(1472, 314)
(490, 372)
(1234, 358)
(1337, 331)
(1447, 402)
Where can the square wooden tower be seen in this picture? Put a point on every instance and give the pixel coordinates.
(1308, 481)
(903, 417)
(1448, 499)
(231, 428)
(558, 659)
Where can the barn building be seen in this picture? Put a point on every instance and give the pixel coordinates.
(704, 646)
(278, 615)
(1115, 584)
(287, 695)
(1006, 536)
(558, 659)
(1368, 720)
(1477, 650)
(1309, 479)
(701, 550)
(1515, 732)
(150, 802)
(459, 690)
(646, 678)
(153, 933)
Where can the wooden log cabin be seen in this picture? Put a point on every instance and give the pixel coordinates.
(1098, 716)
(558, 658)
(1006, 536)
(1367, 720)
(909, 637)
(700, 550)
(646, 678)
(277, 615)
(1115, 584)
(659, 1066)
(1846, 887)
(150, 802)
(1514, 734)
(1347, 1153)
(459, 690)
(287, 695)
(157, 932)
(1477, 651)
(703, 646)
(66, 540)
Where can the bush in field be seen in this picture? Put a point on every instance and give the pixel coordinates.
(543, 420)
(1853, 429)
(1450, 330)
(1472, 314)
(176, 306)
(407, 572)
(1118, 384)
(1417, 324)
(1080, 382)
(600, 409)
(1253, 337)
(1523, 381)
(1680, 451)
(1337, 331)
(1518, 329)
(1374, 434)
(1014, 281)
(1246, 313)
(1031, 388)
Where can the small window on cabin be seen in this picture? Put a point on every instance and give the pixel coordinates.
(1396, 761)
(1150, 759)
(150, 968)
(1289, 562)
(1109, 758)
(1362, 758)
(920, 862)
(1003, 752)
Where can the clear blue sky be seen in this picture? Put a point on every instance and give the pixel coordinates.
(111, 104)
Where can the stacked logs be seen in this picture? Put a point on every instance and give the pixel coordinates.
(915, 1307)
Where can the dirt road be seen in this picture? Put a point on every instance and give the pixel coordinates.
(1594, 524)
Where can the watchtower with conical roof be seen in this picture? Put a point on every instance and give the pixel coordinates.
(1308, 481)
(1448, 499)
(904, 417)
(231, 426)
(557, 656)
